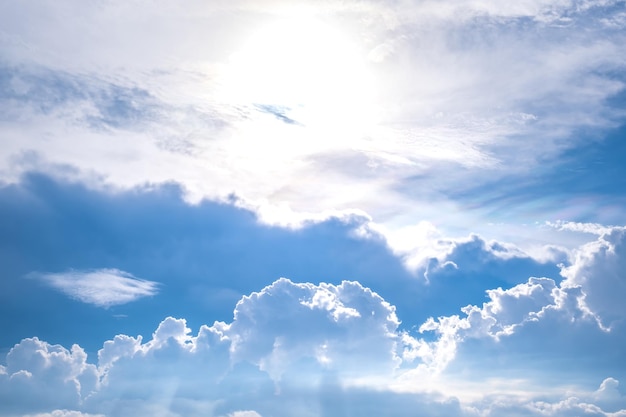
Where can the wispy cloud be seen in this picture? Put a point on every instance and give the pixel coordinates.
(64, 413)
(436, 97)
(101, 287)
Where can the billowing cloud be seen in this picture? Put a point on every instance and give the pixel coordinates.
(284, 328)
(587, 298)
(60, 377)
(581, 404)
(317, 350)
(100, 287)
(505, 312)
(598, 269)
(288, 321)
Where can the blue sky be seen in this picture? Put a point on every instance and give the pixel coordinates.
(267, 208)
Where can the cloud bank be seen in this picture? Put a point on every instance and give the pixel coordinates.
(327, 349)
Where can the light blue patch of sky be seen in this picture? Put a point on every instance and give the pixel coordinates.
(586, 184)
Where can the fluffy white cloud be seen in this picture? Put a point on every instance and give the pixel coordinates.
(173, 373)
(606, 401)
(304, 330)
(589, 299)
(331, 350)
(503, 315)
(598, 269)
(101, 287)
(341, 327)
(61, 378)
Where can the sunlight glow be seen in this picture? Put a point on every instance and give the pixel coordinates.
(305, 71)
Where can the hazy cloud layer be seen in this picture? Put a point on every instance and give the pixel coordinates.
(433, 97)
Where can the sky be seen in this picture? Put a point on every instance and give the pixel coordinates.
(318, 209)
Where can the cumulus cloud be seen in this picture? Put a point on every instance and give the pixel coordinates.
(60, 377)
(101, 287)
(584, 404)
(588, 297)
(503, 315)
(288, 321)
(330, 349)
(597, 268)
(298, 331)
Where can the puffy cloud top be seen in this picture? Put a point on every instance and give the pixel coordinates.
(598, 269)
(287, 320)
(322, 346)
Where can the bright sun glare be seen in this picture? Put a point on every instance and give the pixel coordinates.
(313, 72)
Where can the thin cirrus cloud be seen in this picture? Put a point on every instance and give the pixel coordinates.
(437, 98)
(101, 287)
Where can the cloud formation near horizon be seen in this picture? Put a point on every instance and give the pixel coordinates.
(295, 344)
(301, 343)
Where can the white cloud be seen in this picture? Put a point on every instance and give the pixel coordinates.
(340, 327)
(591, 228)
(503, 315)
(589, 299)
(597, 268)
(608, 395)
(244, 414)
(295, 333)
(64, 413)
(59, 377)
(101, 287)
(568, 407)
(121, 346)
(460, 92)
(295, 348)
